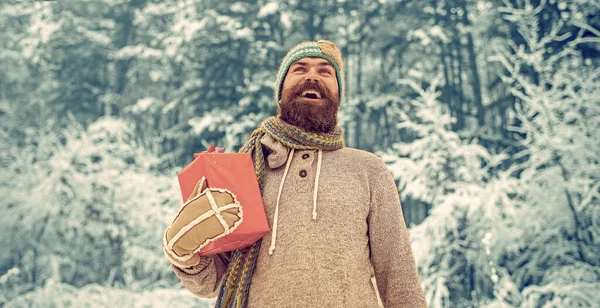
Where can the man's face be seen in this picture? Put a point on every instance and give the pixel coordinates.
(310, 95)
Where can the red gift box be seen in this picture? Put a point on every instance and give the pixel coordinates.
(235, 172)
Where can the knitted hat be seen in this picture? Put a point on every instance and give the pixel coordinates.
(321, 49)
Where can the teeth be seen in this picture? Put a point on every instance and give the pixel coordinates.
(313, 92)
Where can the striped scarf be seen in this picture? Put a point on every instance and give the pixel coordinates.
(236, 284)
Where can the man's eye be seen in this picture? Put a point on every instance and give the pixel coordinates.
(298, 69)
(325, 72)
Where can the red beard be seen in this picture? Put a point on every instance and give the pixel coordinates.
(317, 116)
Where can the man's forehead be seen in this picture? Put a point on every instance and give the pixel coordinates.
(312, 60)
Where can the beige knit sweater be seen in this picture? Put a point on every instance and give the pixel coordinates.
(327, 261)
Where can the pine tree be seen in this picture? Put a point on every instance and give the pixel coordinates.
(553, 259)
(445, 175)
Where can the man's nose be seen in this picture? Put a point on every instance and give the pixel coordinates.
(312, 76)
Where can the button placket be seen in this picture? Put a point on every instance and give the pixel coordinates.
(304, 169)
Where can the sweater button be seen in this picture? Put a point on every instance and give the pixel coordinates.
(305, 156)
(303, 173)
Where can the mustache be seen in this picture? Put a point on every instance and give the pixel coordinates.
(306, 85)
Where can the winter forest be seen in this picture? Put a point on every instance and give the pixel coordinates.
(487, 113)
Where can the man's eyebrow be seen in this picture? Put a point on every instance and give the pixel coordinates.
(301, 63)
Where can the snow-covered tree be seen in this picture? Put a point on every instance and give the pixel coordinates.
(553, 259)
(437, 169)
(85, 206)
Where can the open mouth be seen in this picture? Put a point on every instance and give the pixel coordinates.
(311, 94)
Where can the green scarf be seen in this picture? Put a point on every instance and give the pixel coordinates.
(236, 284)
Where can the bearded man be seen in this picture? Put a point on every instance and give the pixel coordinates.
(335, 211)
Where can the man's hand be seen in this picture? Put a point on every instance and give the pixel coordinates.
(209, 213)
